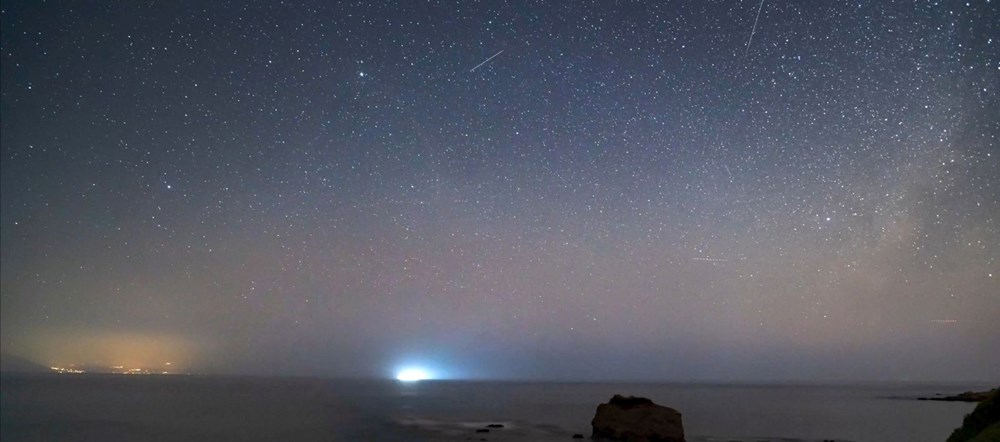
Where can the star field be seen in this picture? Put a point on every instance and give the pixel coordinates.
(624, 190)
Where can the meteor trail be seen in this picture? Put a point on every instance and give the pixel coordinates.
(486, 61)
(751, 30)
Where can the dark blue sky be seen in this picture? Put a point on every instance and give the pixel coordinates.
(625, 190)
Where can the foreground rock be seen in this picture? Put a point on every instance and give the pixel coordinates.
(636, 419)
(983, 424)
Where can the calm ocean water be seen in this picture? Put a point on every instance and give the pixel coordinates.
(193, 408)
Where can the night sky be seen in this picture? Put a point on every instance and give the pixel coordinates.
(786, 190)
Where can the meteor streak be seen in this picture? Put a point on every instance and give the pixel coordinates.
(754, 27)
(486, 61)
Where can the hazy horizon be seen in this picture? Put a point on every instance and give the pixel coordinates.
(984, 383)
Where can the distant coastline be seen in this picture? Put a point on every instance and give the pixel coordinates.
(10, 363)
(968, 396)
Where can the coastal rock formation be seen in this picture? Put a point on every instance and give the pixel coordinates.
(983, 424)
(968, 396)
(636, 419)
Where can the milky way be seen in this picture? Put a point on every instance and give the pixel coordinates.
(628, 191)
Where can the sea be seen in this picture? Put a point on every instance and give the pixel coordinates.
(92, 407)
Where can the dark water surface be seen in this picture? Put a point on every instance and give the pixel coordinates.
(201, 408)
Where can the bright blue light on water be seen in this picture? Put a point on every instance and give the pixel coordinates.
(412, 374)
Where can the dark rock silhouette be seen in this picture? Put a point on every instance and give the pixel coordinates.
(636, 419)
